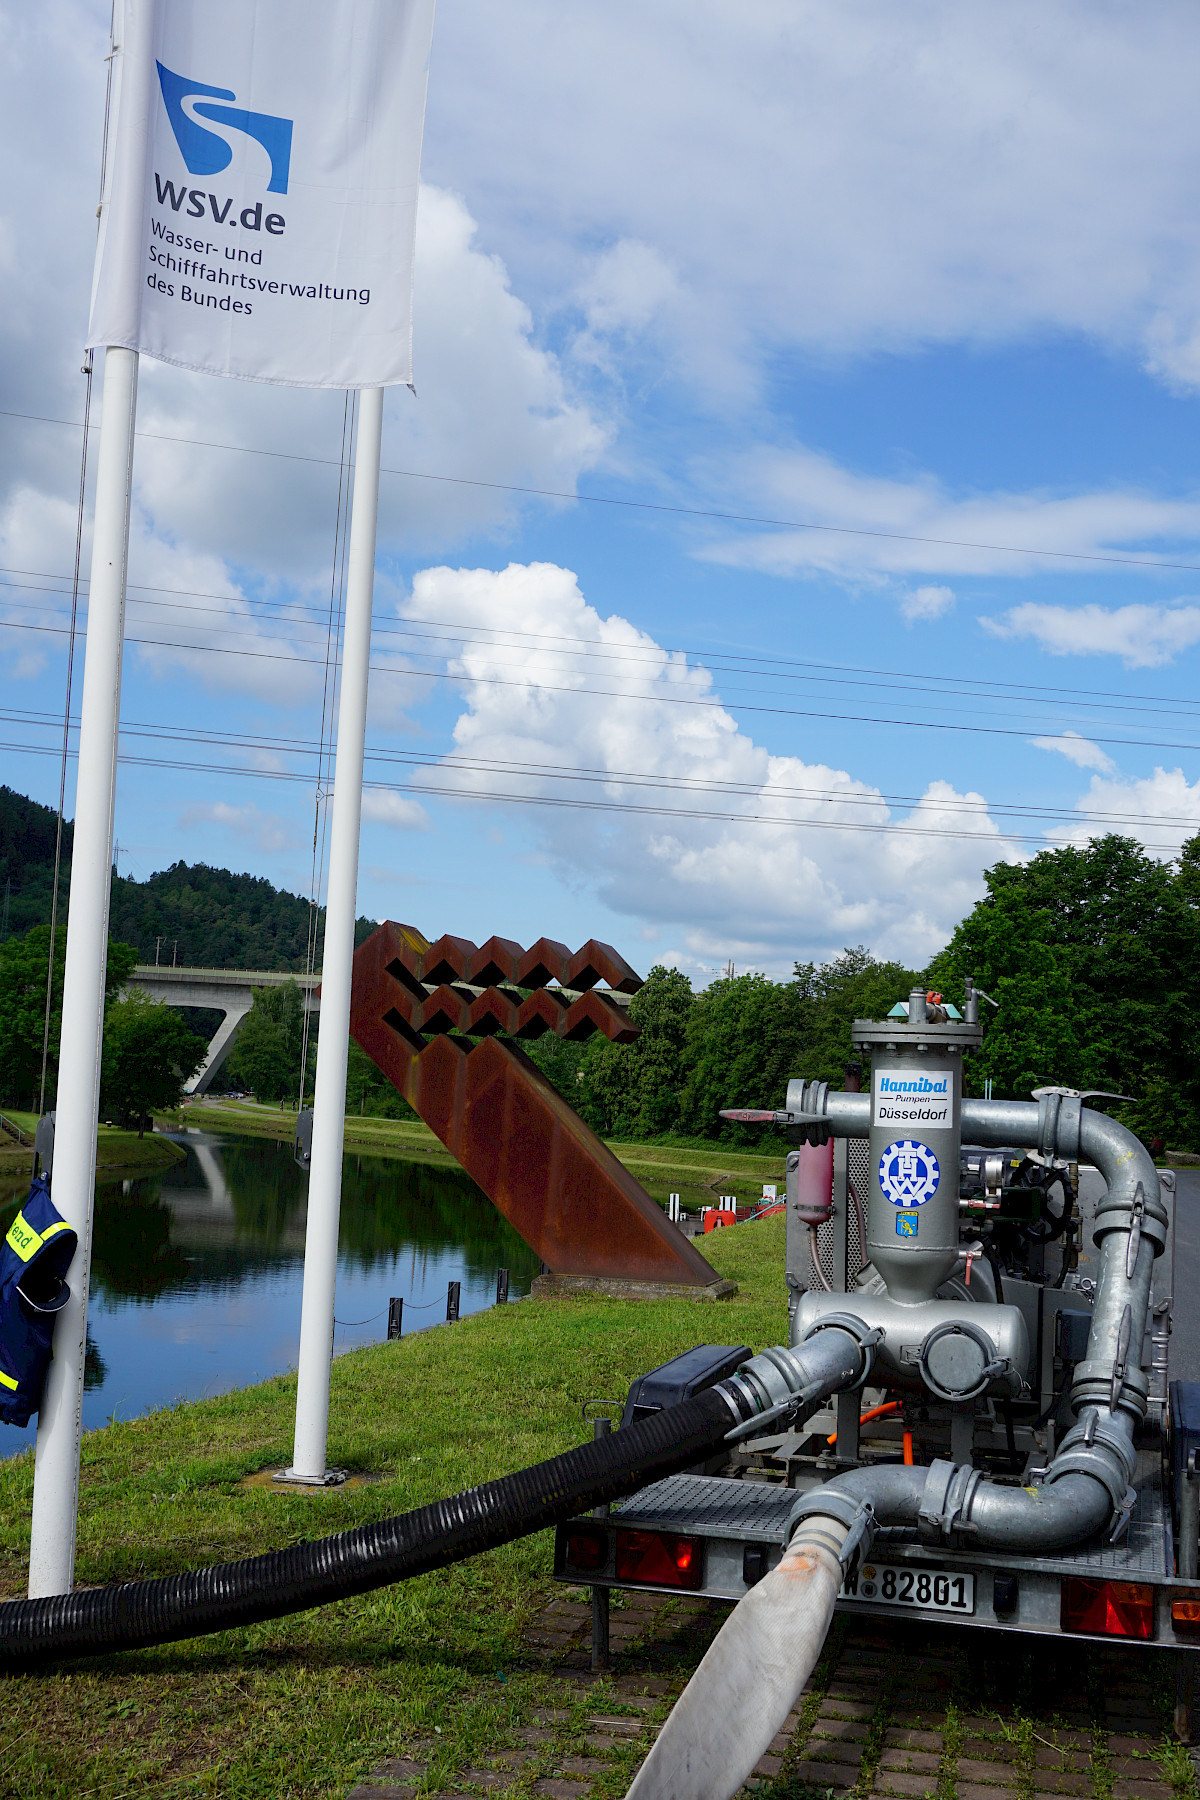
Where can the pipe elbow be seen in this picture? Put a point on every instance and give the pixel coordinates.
(1133, 1188)
(953, 1506)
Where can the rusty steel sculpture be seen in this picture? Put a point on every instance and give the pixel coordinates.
(428, 1016)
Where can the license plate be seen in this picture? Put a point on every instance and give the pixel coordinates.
(894, 1584)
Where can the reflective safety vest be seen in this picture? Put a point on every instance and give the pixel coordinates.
(34, 1258)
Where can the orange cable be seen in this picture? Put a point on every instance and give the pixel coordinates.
(874, 1412)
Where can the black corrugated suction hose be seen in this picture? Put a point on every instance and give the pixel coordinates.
(94, 1621)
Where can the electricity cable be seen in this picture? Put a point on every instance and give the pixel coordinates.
(891, 679)
(997, 839)
(657, 699)
(657, 506)
(718, 663)
(641, 779)
(66, 724)
(607, 778)
(88, 361)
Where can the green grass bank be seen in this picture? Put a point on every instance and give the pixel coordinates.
(118, 1153)
(302, 1706)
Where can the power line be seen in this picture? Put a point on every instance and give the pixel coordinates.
(1189, 825)
(629, 657)
(656, 506)
(998, 838)
(891, 678)
(656, 699)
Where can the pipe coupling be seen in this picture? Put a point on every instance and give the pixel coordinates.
(857, 1515)
(807, 1097)
(1142, 1214)
(1119, 1385)
(1101, 1450)
(778, 1382)
(944, 1515)
(866, 1337)
(1060, 1118)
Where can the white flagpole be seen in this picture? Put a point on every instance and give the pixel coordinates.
(56, 1478)
(329, 1093)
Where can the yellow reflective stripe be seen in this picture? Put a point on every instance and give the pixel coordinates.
(23, 1238)
(51, 1229)
(7, 1381)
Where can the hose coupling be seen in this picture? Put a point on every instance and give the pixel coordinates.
(805, 1106)
(866, 1337)
(1140, 1213)
(1116, 1383)
(857, 1515)
(944, 1516)
(1098, 1448)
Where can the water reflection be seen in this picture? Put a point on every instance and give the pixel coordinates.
(196, 1274)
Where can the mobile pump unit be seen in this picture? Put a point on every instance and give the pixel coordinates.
(973, 1420)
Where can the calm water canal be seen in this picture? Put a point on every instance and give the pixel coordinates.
(196, 1273)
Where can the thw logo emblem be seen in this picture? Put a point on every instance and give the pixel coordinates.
(908, 1173)
(206, 152)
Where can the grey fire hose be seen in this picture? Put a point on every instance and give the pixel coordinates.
(93, 1621)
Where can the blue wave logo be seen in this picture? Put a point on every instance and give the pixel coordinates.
(207, 152)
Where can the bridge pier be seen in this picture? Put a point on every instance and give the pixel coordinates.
(227, 991)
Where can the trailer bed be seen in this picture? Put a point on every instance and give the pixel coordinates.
(728, 1517)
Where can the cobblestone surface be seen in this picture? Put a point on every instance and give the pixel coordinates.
(903, 1711)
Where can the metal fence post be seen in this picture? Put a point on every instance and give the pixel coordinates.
(453, 1295)
(600, 1646)
(395, 1318)
(501, 1286)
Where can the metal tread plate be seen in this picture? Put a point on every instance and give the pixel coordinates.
(711, 1505)
(716, 1506)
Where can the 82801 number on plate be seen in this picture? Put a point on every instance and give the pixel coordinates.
(891, 1584)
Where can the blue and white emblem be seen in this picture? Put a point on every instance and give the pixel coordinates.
(908, 1173)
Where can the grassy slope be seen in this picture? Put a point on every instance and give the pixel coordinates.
(297, 1707)
(117, 1152)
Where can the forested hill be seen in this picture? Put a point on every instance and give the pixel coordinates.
(205, 917)
(27, 833)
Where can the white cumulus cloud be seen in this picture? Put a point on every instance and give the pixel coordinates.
(847, 175)
(871, 527)
(384, 806)
(1143, 636)
(1161, 810)
(1079, 750)
(926, 603)
(755, 856)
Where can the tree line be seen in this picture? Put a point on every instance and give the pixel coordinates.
(1091, 955)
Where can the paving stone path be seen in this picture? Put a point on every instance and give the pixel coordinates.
(899, 1711)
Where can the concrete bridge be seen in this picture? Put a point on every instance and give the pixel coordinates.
(227, 991)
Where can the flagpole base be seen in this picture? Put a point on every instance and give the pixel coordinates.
(293, 1478)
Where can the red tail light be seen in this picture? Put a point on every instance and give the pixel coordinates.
(656, 1556)
(1114, 1608)
(587, 1551)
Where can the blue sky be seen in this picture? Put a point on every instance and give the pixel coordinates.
(928, 274)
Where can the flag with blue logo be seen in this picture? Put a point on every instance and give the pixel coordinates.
(260, 209)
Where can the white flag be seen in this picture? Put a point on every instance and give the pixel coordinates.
(261, 210)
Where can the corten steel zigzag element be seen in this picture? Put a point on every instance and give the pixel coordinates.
(551, 1177)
